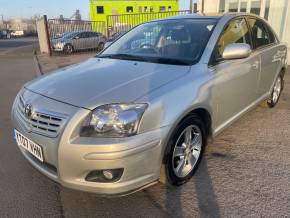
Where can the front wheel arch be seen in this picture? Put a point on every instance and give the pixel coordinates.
(205, 117)
(166, 172)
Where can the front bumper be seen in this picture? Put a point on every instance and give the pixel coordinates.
(69, 158)
(141, 160)
(57, 47)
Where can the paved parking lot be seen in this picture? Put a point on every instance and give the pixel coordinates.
(16, 42)
(245, 172)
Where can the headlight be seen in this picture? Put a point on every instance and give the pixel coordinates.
(60, 43)
(113, 120)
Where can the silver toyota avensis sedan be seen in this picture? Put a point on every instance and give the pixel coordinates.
(148, 102)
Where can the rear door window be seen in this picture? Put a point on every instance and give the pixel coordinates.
(261, 34)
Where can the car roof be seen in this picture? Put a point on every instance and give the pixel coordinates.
(215, 16)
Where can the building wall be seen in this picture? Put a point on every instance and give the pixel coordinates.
(286, 34)
(114, 7)
(26, 25)
(209, 6)
(277, 12)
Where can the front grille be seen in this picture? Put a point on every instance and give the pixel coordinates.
(47, 124)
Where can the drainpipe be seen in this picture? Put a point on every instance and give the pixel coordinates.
(202, 6)
(191, 7)
(287, 11)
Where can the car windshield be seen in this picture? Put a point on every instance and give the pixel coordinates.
(176, 41)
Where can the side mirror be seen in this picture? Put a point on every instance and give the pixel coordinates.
(236, 51)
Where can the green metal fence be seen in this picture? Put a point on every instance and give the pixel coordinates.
(125, 22)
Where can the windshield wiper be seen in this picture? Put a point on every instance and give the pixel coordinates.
(124, 57)
(160, 60)
(172, 61)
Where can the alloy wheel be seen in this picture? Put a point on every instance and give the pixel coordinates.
(187, 151)
(277, 90)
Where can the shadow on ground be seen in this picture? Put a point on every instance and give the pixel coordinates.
(196, 197)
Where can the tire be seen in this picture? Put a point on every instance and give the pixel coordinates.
(276, 92)
(68, 49)
(184, 154)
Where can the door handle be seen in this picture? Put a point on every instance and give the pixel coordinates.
(256, 65)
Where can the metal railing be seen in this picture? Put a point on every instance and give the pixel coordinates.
(58, 27)
(71, 36)
(125, 22)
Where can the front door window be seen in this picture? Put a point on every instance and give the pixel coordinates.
(236, 32)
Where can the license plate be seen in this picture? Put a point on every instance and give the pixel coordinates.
(28, 145)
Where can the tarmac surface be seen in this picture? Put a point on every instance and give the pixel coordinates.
(16, 42)
(245, 171)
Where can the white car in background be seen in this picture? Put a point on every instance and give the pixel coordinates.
(17, 33)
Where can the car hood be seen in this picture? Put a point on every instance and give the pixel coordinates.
(102, 81)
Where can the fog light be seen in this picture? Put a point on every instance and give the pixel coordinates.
(108, 174)
(105, 176)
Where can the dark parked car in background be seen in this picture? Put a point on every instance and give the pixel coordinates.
(74, 41)
(5, 34)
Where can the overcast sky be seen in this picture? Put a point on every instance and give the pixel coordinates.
(52, 8)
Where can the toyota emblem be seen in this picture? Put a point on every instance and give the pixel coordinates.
(28, 110)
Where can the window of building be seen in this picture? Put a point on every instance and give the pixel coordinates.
(169, 8)
(261, 34)
(256, 7)
(162, 9)
(151, 9)
(243, 5)
(222, 6)
(145, 9)
(236, 32)
(129, 9)
(233, 5)
(100, 9)
(140, 9)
